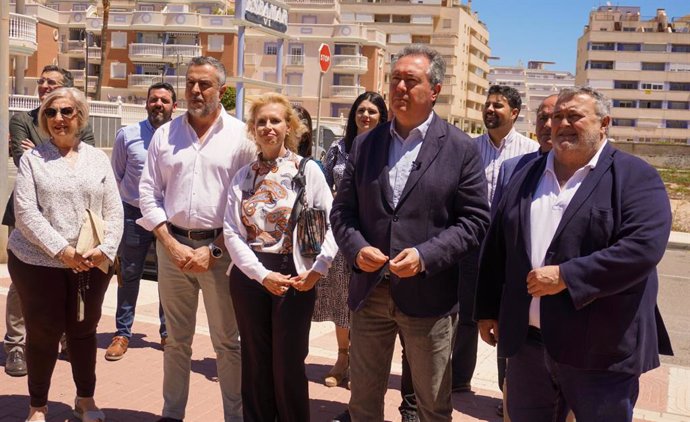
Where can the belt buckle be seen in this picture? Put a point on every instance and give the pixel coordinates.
(192, 233)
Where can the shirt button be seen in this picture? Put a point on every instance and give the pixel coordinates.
(395, 218)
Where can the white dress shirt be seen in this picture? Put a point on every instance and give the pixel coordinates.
(403, 154)
(186, 178)
(548, 205)
(513, 145)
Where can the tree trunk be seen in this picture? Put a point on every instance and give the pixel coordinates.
(104, 47)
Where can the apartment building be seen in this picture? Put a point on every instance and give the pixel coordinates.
(450, 27)
(534, 83)
(643, 65)
(151, 40)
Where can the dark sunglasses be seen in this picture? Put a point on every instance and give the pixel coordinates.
(65, 112)
(50, 82)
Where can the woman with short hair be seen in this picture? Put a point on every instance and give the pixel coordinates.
(62, 290)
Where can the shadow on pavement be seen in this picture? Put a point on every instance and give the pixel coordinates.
(480, 407)
(206, 367)
(138, 341)
(15, 407)
(317, 372)
(325, 410)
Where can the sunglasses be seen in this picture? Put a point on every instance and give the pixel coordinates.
(65, 112)
(50, 82)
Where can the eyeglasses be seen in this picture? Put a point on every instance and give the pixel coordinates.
(50, 82)
(65, 112)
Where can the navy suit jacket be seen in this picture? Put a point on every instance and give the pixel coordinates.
(508, 168)
(607, 245)
(442, 212)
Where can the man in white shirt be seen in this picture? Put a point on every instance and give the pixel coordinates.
(567, 283)
(501, 142)
(183, 192)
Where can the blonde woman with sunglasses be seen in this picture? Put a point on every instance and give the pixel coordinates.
(60, 289)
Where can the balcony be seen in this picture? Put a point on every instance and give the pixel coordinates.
(144, 19)
(350, 64)
(22, 35)
(72, 47)
(78, 75)
(343, 91)
(142, 82)
(94, 53)
(294, 60)
(182, 21)
(251, 59)
(168, 53)
(292, 90)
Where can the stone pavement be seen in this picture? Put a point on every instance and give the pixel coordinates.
(130, 390)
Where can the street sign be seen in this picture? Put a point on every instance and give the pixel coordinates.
(324, 58)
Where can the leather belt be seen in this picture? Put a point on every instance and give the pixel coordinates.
(195, 234)
(534, 333)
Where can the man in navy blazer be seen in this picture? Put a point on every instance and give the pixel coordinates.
(567, 281)
(412, 202)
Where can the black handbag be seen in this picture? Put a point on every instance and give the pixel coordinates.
(311, 222)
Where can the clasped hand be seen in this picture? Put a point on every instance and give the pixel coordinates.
(191, 260)
(406, 264)
(78, 262)
(278, 284)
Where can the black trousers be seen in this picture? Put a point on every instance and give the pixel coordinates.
(49, 304)
(467, 336)
(275, 342)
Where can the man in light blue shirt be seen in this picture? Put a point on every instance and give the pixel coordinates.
(129, 155)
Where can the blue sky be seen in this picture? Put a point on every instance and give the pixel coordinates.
(548, 29)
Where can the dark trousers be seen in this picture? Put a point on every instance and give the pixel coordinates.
(275, 342)
(467, 336)
(540, 389)
(49, 303)
(409, 399)
(135, 244)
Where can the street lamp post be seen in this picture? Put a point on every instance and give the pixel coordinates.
(85, 36)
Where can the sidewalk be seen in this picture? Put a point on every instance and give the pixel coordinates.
(130, 390)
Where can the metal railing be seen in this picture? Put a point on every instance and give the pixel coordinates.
(294, 60)
(350, 62)
(346, 91)
(292, 90)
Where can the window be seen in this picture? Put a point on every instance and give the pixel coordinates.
(118, 70)
(679, 86)
(680, 48)
(628, 47)
(650, 104)
(309, 19)
(216, 42)
(624, 103)
(652, 86)
(401, 18)
(678, 105)
(661, 48)
(654, 66)
(600, 64)
(677, 124)
(271, 49)
(624, 122)
(625, 84)
(146, 7)
(602, 46)
(118, 40)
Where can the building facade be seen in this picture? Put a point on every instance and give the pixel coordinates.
(151, 40)
(534, 83)
(643, 65)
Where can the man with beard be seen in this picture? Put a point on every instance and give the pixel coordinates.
(502, 142)
(129, 154)
(24, 136)
(568, 284)
(183, 192)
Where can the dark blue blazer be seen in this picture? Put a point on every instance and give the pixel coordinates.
(508, 168)
(608, 243)
(442, 212)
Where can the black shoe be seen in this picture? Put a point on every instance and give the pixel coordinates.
(407, 415)
(167, 419)
(15, 365)
(343, 417)
(499, 409)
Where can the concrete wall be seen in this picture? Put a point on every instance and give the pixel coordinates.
(659, 155)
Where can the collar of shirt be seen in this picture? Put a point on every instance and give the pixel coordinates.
(509, 138)
(217, 125)
(591, 164)
(417, 133)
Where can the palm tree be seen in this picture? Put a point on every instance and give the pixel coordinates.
(104, 46)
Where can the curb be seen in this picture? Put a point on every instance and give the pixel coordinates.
(679, 240)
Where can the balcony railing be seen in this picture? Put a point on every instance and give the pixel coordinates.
(346, 91)
(23, 33)
(163, 52)
(24, 102)
(294, 60)
(139, 81)
(251, 59)
(292, 90)
(171, 51)
(355, 62)
(73, 46)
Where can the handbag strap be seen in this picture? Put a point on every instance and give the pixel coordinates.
(299, 182)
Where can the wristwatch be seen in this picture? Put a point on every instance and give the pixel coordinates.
(216, 252)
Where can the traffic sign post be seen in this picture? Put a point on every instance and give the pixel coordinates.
(324, 65)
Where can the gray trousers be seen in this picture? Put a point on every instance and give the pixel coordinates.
(15, 336)
(179, 295)
(428, 347)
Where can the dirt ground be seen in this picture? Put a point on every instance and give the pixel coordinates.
(681, 215)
